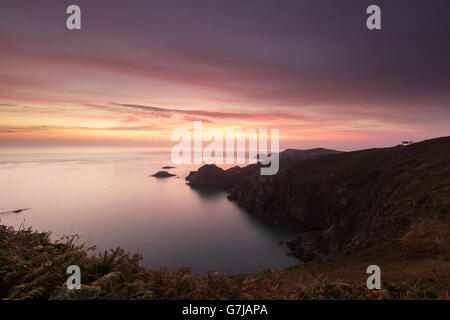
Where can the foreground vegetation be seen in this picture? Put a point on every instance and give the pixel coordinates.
(413, 267)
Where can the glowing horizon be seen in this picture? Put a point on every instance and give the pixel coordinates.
(132, 81)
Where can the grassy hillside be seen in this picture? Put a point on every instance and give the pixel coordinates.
(413, 267)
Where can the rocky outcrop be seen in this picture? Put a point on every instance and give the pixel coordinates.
(305, 252)
(343, 202)
(162, 174)
(212, 176)
(14, 211)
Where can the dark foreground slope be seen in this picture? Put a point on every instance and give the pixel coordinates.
(344, 202)
(413, 267)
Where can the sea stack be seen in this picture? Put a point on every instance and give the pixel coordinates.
(162, 174)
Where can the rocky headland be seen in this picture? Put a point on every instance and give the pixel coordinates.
(343, 202)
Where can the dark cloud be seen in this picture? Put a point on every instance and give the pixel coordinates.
(290, 53)
(280, 59)
(168, 112)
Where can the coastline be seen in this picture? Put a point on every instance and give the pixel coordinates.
(33, 267)
(414, 256)
(344, 202)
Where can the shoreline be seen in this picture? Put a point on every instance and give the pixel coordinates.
(33, 267)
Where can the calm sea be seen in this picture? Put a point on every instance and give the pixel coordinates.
(109, 199)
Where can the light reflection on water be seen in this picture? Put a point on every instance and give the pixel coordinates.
(110, 200)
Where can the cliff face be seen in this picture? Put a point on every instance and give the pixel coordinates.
(344, 202)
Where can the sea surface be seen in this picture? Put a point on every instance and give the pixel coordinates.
(109, 200)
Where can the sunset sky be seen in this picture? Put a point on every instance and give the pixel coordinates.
(140, 69)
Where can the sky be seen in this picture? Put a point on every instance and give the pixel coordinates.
(138, 70)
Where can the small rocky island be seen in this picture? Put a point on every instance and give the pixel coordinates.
(168, 167)
(162, 174)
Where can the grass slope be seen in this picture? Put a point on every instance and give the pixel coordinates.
(413, 267)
